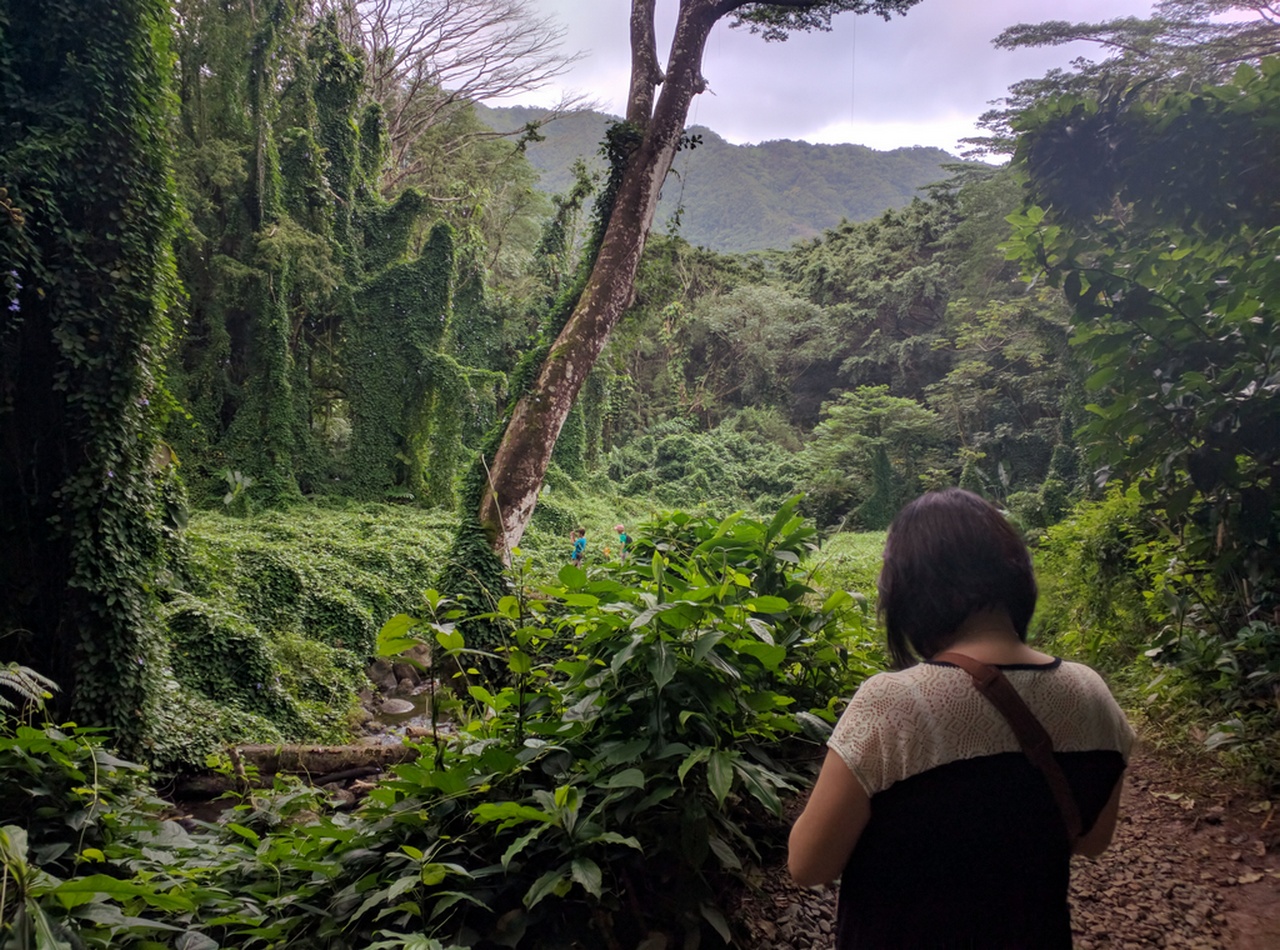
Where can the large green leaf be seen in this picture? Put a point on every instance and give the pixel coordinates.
(692, 759)
(760, 782)
(509, 813)
(552, 882)
(81, 889)
(768, 604)
(616, 753)
(587, 873)
(727, 857)
(517, 846)
(662, 664)
(705, 643)
(574, 578)
(395, 638)
(715, 917)
(628, 778)
(768, 654)
(623, 656)
(720, 773)
(519, 662)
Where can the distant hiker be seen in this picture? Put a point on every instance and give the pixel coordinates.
(624, 543)
(579, 546)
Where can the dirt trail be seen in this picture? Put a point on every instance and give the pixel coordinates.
(1194, 865)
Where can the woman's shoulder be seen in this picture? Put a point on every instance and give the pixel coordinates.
(1079, 708)
(1084, 678)
(901, 691)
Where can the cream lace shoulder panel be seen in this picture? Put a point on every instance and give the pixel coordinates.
(901, 724)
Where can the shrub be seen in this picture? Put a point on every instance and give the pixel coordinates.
(636, 756)
(1092, 593)
(1125, 596)
(721, 468)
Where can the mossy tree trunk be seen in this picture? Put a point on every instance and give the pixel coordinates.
(525, 451)
(87, 215)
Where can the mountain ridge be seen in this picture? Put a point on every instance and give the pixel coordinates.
(734, 198)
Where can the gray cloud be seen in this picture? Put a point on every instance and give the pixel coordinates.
(920, 79)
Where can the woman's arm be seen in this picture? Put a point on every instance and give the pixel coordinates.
(827, 830)
(1099, 837)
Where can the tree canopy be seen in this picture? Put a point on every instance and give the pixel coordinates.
(1182, 43)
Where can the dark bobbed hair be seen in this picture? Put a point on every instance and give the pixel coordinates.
(949, 554)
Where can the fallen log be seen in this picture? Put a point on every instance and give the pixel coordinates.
(318, 760)
(313, 763)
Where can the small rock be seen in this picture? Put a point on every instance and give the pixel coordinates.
(396, 707)
(406, 671)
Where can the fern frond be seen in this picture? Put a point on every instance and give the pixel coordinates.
(33, 688)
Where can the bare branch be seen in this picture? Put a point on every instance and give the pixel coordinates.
(425, 60)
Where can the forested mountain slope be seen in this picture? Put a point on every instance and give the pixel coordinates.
(744, 197)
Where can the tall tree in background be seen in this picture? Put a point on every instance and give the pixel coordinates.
(87, 212)
(644, 146)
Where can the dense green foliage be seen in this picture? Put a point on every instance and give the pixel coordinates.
(1173, 301)
(1182, 43)
(271, 622)
(317, 349)
(1173, 288)
(917, 308)
(630, 771)
(743, 197)
(87, 213)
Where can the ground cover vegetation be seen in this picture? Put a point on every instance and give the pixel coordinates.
(259, 340)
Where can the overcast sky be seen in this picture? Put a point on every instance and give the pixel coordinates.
(922, 79)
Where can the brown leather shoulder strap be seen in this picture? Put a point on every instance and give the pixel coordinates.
(1035, 742)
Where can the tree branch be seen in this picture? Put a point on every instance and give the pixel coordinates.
(646, 74)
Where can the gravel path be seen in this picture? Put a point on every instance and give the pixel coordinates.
(1193, 866)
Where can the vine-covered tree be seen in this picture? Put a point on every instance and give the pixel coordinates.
(643, 148)
(87, 213)
(314, 350)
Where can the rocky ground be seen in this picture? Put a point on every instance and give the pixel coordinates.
(1194, 864)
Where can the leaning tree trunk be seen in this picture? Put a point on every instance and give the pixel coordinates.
(525, 450)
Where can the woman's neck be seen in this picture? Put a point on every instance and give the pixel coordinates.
(989, 636)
